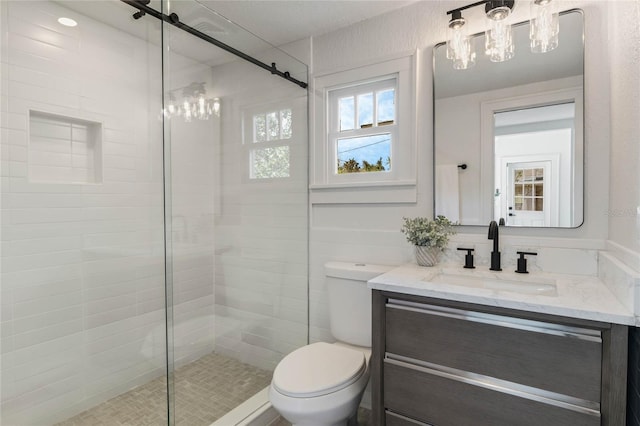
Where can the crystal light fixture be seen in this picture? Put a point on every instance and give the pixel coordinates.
(499, 36)
(459, 45)
(499, 47)
(545, 26)
(193, 105)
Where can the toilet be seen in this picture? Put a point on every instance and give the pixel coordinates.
(322, 384)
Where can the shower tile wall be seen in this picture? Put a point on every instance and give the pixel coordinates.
(192, 194)
(261, 227)
(82, 290)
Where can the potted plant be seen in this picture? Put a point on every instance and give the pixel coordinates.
(430, 237)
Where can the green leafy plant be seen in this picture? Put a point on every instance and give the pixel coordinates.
(422, 231)
(353, 166)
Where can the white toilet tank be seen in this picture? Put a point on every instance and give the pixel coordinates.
(350, 300)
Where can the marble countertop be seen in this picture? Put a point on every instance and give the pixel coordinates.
(574, 296)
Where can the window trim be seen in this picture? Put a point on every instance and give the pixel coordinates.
(403, 172)
(334, 133)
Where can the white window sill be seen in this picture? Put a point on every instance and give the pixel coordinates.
(404, 191)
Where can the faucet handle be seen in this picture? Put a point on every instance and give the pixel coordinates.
(468, 258)
(522, 261)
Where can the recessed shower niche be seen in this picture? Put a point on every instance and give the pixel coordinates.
(64, 149)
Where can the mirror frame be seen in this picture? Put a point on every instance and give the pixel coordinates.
(484, 173)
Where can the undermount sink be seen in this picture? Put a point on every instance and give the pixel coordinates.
(499, 284)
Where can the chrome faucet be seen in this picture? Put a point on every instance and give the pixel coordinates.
(495, 254)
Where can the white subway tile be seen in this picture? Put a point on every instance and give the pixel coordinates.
(40, 245)
(23, 185)
(53, 274)
(42, 304)
(47, 333)
(42, 78)
(37, 261)
(43, 95)
(99, 306)
(110, 316)
(25, 292)
(46, 319)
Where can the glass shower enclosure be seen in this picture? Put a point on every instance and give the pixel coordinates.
(153, 214)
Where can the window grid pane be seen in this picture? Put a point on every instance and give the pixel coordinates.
(364, 154)
(528, 189)
(365, 110)
(272, 162)
(273, 126)
(346, 110)
(259, 128)
(285, 124)
(386, 108)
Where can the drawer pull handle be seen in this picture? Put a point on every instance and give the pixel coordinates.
(406, 419)
(504, 386)
(499, 320)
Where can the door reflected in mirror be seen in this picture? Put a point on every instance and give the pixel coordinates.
(518, 126)
(533, 161)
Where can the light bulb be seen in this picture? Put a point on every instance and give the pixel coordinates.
(499, 13)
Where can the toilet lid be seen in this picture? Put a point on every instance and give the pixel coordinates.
(318, 369)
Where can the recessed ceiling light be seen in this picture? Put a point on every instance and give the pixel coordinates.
(68, 22)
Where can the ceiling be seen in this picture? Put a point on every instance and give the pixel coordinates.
(246, 24)
(281, 22)
(251, 26)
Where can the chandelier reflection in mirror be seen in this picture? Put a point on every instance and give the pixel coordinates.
(191, 103)
(499, 46)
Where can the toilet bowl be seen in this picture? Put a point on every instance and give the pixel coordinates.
(322, 384)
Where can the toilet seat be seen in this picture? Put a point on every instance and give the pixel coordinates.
(318, 369)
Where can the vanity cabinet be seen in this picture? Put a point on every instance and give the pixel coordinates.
(444, 363)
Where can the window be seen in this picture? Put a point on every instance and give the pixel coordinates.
(364, 134)
(363, 126)
(269, 154)
(528, 189)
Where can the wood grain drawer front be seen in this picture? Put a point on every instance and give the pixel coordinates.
(443, 401)
(560, 359)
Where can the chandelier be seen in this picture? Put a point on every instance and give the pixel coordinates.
(191, 102)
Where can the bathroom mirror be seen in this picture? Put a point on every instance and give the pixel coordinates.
(508, 136)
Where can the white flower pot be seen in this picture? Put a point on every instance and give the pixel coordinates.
(427, 256)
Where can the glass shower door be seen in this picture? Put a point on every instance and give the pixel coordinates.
(153, 215)
(82, 290)
(237, 137)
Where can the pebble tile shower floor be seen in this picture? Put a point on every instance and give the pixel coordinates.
(205, 390)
